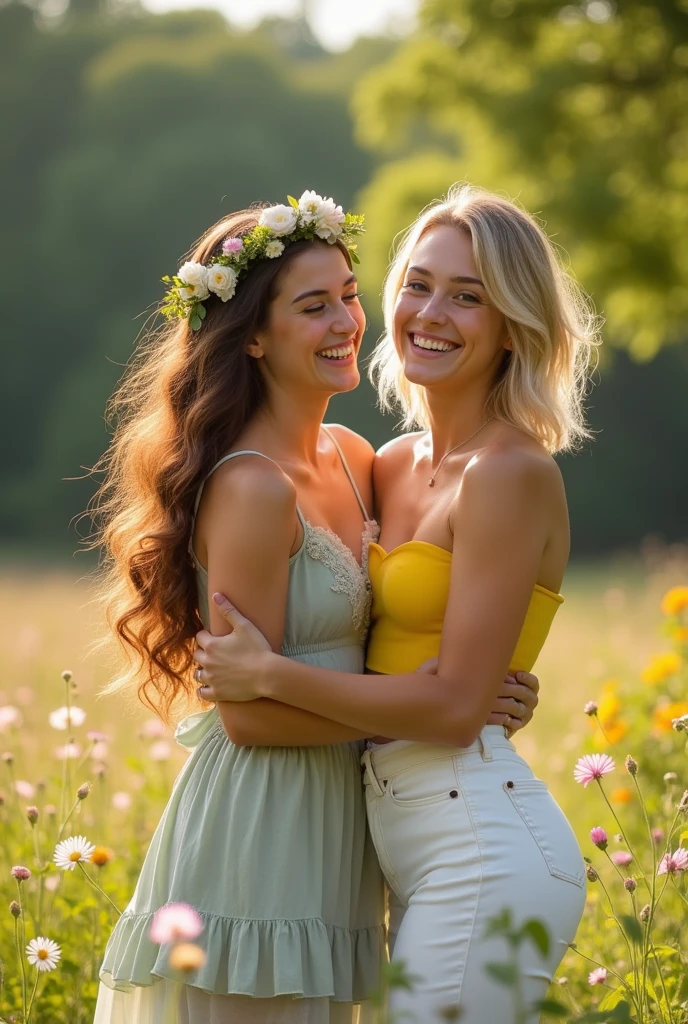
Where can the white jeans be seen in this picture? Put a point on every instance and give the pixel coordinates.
(462, 834)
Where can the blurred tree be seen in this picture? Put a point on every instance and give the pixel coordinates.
(133, 135)
(579, 109)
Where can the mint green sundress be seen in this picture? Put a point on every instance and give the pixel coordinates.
(269, 844)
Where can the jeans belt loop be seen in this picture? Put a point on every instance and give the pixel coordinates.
(485, 748)
(370, 772)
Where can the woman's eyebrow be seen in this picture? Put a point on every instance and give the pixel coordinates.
(454, 280)
(322, 291)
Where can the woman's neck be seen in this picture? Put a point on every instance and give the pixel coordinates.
(288, 427)
(453, 418)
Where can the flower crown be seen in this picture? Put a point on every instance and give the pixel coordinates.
(308, 218)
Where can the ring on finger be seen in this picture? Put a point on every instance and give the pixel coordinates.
(197, 673)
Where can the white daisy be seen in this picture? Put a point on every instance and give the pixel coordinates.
(43, 953)
(63, 717)
(70, 851)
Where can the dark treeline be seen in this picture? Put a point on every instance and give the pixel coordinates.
(125, 135)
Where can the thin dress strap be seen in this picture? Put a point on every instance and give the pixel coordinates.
(348, 472)
(197, 502)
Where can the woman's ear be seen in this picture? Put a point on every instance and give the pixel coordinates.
(254, 349)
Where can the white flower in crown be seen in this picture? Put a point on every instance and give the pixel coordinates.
(280, 219)
(274, 248)
(222, 281)
(195, 278)
(311, 206)
(330, 220)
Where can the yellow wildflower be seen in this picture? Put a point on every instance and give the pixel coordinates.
(680, 635)
(661, 666)
(663, 715)
(621, 795)
(675, 600)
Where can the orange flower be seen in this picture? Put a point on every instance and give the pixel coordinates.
(674, 601)
(680, 635)
(186, 956)
(663, 715)
(614, 732)
(101, 855)
(621, 795)
(609, 727)
(661, 666)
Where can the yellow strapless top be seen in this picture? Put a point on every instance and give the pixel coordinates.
(410, 592)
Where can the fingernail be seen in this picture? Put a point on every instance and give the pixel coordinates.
(218, 598)
(520, 676)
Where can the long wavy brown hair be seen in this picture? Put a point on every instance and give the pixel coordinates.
(183, 401)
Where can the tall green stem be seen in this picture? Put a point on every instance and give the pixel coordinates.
(98, 888)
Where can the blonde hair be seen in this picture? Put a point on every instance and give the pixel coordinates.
(553, 329)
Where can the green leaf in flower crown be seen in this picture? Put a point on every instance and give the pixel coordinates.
(200, 310)
(293, 202)
(195, 322)
(355, 258)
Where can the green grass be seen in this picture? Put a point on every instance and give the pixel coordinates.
(608, 627)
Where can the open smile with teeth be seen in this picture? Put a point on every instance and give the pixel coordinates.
(340, 352)
(432, 344)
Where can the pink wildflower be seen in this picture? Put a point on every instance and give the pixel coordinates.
(21, 873)
(590, 708)
(69, 750)
(26, 790)
(160, 751)
(599, 837)
(621, 858)
(598, 976)
(657, 835)
(673, 862)
(232, 245)
(592, 766)
(175, 922)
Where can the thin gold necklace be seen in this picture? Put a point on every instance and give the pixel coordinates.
(431, 482)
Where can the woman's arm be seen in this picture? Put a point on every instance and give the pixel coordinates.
(502, 521)
(245, 534)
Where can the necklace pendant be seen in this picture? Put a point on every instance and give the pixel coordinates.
(431, 482)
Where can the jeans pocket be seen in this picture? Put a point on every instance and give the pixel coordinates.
(423, 784)
(548, 826)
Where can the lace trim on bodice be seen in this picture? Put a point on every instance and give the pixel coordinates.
(350, 578)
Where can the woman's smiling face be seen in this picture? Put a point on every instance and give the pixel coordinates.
(315, 325)
(446, 332)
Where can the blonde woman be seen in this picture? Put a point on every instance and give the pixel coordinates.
(486, 344)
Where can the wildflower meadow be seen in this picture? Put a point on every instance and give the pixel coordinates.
(84, 778)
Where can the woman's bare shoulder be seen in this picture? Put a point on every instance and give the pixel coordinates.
(247, 481)
(513, 463)
(353, 445)
(397, 454)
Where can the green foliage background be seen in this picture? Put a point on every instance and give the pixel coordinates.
(125, 134)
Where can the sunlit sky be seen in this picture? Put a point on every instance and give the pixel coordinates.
(336, 22)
